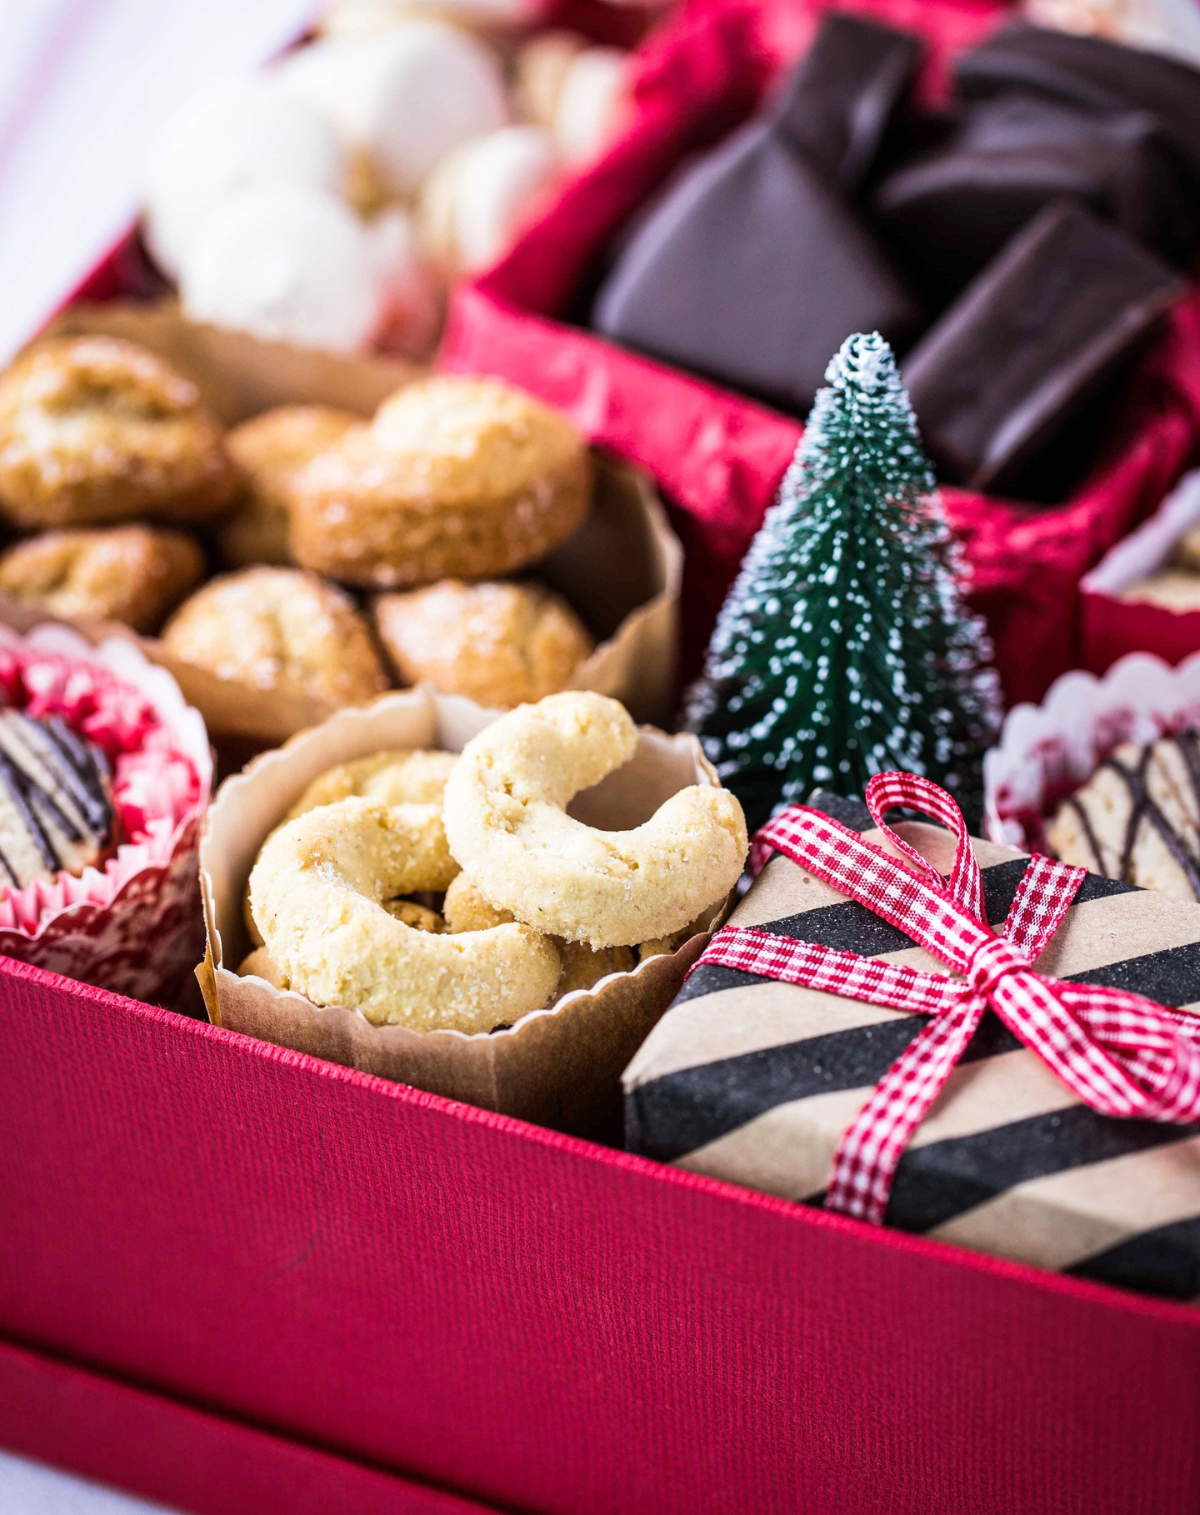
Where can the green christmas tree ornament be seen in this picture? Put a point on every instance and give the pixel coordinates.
(844, 648)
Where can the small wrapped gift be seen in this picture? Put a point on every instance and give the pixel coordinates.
(1028, 1088)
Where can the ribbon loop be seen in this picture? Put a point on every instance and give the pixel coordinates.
(1121, 1054)
(991, 961)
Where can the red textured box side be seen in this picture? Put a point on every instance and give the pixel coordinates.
(119, 1434)
(719, 457)
(536, 1322)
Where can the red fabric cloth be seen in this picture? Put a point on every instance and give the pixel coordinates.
(719, 457)
(529, 1320)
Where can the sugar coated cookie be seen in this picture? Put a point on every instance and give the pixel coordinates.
(255, 132)
(287, 263)
(133, 574)
(506, 822)
(96, 430)
(500, 644)
(317, 895)
(271, 449)
(279, 628)
(454, 478)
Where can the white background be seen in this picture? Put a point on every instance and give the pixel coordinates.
(86, 87)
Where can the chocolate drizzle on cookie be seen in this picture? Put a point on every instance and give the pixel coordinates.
(55, 808)
(1144, 809)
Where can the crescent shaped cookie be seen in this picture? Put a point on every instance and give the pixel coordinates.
(506, 822)
(318, 895)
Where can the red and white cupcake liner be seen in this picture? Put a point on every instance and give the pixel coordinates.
(134, 924)
(1045, 752)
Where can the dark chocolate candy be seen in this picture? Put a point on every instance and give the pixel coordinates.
(956, 206)
(1091, 73)
(753, 271)
(1030, 341)
(55, 805)
(838, 102)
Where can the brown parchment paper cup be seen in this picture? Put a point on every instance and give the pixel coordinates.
(621, 571)
(559, 1067)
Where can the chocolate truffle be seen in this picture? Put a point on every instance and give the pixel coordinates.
(838, 102)
(55, 808)
(954, 207)
(1091, 73)
(1031, 339)
(752, 271)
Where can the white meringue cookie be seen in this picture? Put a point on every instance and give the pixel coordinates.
(589, 102)
(255, 132)
(476, 198)
(288, 263)
(402, 98)
(539, 68)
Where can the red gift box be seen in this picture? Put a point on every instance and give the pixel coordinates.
(232, 1268)
(721, 457)
(239, 1279)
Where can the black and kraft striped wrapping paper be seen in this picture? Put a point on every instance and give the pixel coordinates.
(755, 1081)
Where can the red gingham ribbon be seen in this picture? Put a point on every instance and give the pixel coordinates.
(1121, 1054)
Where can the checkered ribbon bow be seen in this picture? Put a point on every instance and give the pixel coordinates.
(1121, 1054)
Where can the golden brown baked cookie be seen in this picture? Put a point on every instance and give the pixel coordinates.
(271, 450)
(317, 894)
(279, 628)
(1173, 589)
(507, 825)
(1187, 550)
(500, 644)
(454, 478)
(134, 574)
(96, 430)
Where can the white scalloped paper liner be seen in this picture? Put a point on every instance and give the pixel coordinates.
(134, 926)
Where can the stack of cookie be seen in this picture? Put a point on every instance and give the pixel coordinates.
(443, 893)
(330, 200)
(345, 550)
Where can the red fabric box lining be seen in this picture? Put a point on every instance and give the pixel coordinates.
(721, 457)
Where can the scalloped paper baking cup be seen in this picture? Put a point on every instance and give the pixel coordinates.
(134, 924)
(560, 1067)
(1045, 752)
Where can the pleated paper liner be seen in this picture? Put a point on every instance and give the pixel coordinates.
(132, 925)
(621, 570)
(559, 1067)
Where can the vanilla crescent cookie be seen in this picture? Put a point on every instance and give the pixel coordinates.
(454, 478)
(582, 966)
(317, 894)
(96, 430)
(506, 822)
(412, 778)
